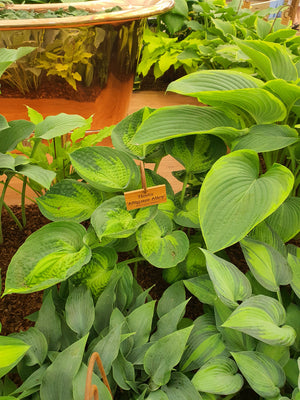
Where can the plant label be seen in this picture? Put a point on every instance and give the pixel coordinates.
(145, 197)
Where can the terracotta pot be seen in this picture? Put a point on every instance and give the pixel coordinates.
(81, 65)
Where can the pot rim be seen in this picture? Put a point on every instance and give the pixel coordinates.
(130, 10)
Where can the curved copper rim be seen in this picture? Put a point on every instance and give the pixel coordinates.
(133, 10)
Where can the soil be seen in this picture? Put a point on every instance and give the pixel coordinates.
(15, 307)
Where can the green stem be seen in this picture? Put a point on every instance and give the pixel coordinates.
(2, 203)
(229, 396)
(130, 261)
(185, 182)
(268, 160)
(23, 200)
(279, 297)
(135, 270)
(10, 212)
(35, 146)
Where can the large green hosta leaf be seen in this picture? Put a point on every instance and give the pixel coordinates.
(180, 388)
(286, 219)
(268, 266)
(234, 198)
(49, 256)
(221, 89)
(11, 352)
(294, 263)
(187, 214)
(230, 284)
(196, 153)
(289, 93)
(202, 288)
(262, 317)
(112, 218)
(161, 246)
(69, 200)
(263, 374)
(263, 138)
(218, 376)
(176, 121)
(106, 169)
(272, 59)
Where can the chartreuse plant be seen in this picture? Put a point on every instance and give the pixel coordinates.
(201, 35)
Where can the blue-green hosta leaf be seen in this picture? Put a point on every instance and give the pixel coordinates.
(7, 162)
(289, 93)
(272, 59)
(180, 388)
(234, 198)
(9, 56)
(286, 219)
(262, 317)
(161, 246)
(234, 340)
(11, 352)
(171, 297)
(105, 168)
(269, 267)
(218, 376)
(202, 288)
(112, 218)
(197, 153)
(124, 131)
(187, 214)
(263, 374)
(16, 132)
(204, 343)
(57, 383)
(164, 354)
(69, 200)
(123, 373)
(140, 322)
(58, 125)
(97, 272)
(263, 138)
(294, 263)
(230, 284)
(80, 312)
(38, 346)
(176, 121)
(49, 256)
(40, 175)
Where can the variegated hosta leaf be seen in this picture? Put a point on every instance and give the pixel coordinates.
(176, 121)
(204, 343)
(234, 340)
(96, 273)
(213, 80)
(180, 387)
(219, 376)
(154, 179)
(195, 263)
(263, 138)
(161, 246)
(197, 153)
(58, 125)
(112, 218)
(234, 198)
(11, 352)
(230, 284)
(202, 288)
(105, 168)
(280, 354)
(187, 215)
(264, 233)
(272, 59)
(124, 131)
(50, 255)
(286, 219)
(262, 317)
(69, 200)
(268, 266)
(263, 374)
(294, 263)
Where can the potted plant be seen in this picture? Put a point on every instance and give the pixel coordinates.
(85, 58)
